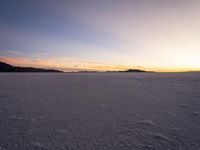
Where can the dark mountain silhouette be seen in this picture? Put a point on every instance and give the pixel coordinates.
(133, 70)
(4, 67)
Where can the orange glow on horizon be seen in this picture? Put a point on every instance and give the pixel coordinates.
(77, 66)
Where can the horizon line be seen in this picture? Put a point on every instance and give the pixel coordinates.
(76, 70)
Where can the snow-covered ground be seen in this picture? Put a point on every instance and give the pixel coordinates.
(100, 111)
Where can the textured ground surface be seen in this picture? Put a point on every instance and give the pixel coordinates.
(100, 111)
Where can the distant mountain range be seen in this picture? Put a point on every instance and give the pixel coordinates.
(4, 67)
(133, 70)
(129, 70)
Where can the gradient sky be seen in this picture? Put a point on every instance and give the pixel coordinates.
(160, 35)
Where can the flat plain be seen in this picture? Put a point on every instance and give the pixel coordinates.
(100, 111)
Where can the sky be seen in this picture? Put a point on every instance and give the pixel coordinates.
(73, 35)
